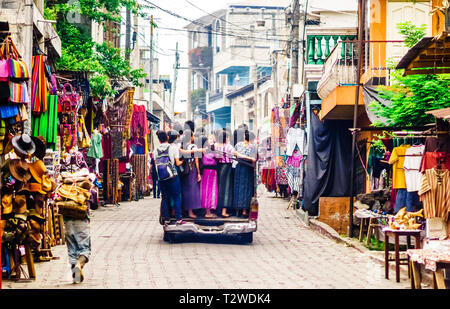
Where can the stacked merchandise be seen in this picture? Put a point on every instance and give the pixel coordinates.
(76, 193)
(13, 89)
(25, 191)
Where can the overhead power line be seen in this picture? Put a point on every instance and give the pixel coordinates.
(224, 20)
(207, 26)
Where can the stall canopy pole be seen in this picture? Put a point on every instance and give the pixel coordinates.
(361, 26)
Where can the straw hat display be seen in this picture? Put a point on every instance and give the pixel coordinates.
(41, 147)
(20, 204)
(19, 170)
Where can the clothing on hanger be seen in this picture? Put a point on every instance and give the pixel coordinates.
(295, 137)
(413, 159)
(397, 160)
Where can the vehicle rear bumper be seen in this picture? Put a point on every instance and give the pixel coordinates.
(225, 229)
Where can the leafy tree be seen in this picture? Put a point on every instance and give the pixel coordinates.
(412, 95)
(81, 53)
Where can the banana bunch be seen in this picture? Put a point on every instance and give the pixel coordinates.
(404, 220)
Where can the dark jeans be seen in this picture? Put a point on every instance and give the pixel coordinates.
(171, 190)
(156, 187)
(410, 200)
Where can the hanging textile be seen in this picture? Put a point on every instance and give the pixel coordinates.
(435, 193)
(39, 91)
(329, 162)
(295, 138)
(139, 123)
(46, 124)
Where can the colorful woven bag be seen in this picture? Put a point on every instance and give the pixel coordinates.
(17, 68)
(4, 67)
(18, 92)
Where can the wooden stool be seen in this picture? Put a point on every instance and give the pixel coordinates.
(396, 234)
(373, 229)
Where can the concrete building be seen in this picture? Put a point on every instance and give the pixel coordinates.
(243, 43)
(201, 35)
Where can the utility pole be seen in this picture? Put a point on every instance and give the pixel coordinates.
(28, 55)
(361, 27)
(128, 36)
(294, 48)
(175, 77)
(255, 82)
(150, 76)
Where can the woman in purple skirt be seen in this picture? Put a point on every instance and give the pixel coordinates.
(190, 177)
(209, 189)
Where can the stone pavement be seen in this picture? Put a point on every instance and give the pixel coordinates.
(128, 252)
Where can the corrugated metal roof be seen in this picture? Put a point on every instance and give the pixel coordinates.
(443, 113)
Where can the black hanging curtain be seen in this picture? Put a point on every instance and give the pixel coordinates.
(328, 165)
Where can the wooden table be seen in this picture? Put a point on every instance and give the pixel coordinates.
(396, 234)
(433, 260)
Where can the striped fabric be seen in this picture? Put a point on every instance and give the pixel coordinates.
(435, 193)
(18, 92)
(39, 91)
(18, 69)
(294, 177)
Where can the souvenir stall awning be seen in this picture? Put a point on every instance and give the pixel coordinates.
(431, 55)
(443, 113)
(152, 118)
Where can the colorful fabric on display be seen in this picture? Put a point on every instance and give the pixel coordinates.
(139, 122)
(435, 193)
(8, 110)
(397, 159)
(39, 91)
(95, 150)
(46, 124)
(18, 92)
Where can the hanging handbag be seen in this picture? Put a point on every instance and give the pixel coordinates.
(4, 68)
(18, 92)
(17, 67)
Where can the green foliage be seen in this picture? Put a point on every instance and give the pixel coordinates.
(412, 95)
(411, 33)
(198, 98)
(81, 53)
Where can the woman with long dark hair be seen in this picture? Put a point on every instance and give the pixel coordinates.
(190, 176)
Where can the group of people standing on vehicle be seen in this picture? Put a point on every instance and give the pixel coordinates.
(199, 174)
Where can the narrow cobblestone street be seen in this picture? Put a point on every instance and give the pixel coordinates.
(128, 252)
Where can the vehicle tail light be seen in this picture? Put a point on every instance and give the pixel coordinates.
(254, 209)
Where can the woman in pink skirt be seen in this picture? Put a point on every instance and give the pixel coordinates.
(209, 189)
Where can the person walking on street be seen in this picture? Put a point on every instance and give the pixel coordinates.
(166, 160)
(156, 187)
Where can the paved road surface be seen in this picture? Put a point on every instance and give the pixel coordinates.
(128, 252)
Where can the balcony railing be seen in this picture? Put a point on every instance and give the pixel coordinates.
(339, 68)
(320, 46)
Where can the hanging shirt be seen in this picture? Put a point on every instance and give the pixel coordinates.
(95, 149)
(397, 159)
(435, 193)
(413, 176)
(295, 137)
